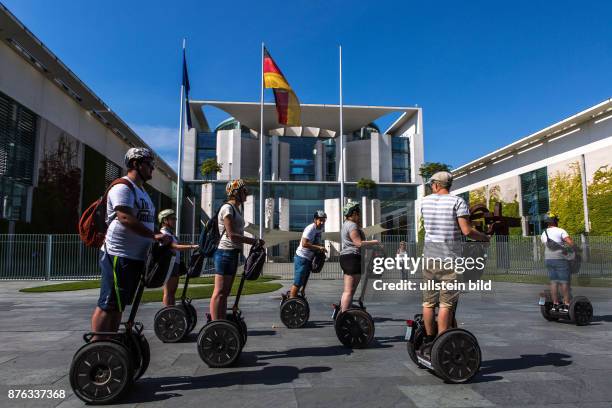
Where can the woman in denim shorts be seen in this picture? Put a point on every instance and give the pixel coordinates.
(231, 228)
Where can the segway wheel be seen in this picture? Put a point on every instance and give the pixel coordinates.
(243, 331)
(455, 356)
(101, 372)
(294, 313)
(143, 357)
(171, 324)
(193, 317)
(354, 328)
(581, 311)
(219, 343)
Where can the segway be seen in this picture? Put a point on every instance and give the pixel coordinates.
(580, 310)
(455, 354)
(220, 342)
(103, 370)
(174, 323)
(355, 327)
(294, 312)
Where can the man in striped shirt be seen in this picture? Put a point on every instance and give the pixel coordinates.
(446, 221)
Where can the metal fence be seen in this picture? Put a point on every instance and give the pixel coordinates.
(64, 257)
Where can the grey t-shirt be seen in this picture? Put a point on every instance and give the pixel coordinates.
(312, 234)
(120, 241)
(228, 210)
(348, 247)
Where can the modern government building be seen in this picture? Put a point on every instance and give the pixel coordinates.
(565, 168)
(301, 164)
(60, 145)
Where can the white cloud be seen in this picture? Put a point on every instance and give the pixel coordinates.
(164, 140)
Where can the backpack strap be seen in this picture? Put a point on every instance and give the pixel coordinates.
(125, 182)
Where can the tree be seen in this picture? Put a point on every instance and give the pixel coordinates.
(428, 169)
(210, 167)
(565, 195)
(600, 197)
(366, 184)
(478, 196)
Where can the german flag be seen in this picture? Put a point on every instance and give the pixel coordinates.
(287, 103)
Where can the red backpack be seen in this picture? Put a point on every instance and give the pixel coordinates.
(92, 225)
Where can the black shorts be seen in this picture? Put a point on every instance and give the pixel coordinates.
(350, 264)
(119, 281)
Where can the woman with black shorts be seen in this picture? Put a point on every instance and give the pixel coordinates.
(353, 238)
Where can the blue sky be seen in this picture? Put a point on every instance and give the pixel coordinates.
(486, 73)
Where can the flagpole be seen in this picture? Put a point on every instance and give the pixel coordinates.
(180, 157)
(342, 157)
(261, 148)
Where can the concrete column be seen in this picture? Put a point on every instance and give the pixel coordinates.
(332, 209)
(207, 199)
(319, 156)
(585, 202)
(283, 224)
(274, 158)
(269, 213)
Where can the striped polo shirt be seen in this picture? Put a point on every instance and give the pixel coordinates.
(440, 213)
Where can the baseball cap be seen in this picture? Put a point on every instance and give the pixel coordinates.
(442, 177)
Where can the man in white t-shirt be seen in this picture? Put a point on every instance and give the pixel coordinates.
(309, 244)
(131, 229)
(555, 254)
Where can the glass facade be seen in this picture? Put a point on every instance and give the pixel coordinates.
(206, 149)
(17, 144)
(400, 156)
(330, 160)
(534, 192)
(396, 201)
(302, 153)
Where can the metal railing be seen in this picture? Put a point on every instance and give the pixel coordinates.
(64, 257)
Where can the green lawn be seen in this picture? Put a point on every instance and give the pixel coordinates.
(204, 292)
(95, 284)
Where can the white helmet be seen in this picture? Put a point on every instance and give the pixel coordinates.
(138, 153)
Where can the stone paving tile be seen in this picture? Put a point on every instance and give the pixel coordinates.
(526, 360)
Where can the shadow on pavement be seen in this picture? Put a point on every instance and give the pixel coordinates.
(326, 351)
(525, 361)
(164, 388)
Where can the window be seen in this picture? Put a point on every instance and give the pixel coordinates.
(330, 160)
(206, 149)
(17, 143)
(301, 157)
(534, 192)
(111, 172)
(400, 158)
(466, 196)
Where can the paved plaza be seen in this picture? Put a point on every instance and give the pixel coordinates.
(527, 362)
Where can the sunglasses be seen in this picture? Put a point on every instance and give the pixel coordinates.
(149, 163)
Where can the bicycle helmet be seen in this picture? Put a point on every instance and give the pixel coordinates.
(165, 214)
(350, 207)
(233, 186)
(138, 153)
(320, 214)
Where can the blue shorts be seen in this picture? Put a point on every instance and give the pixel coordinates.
(302, 267)
(119, 281)
(558, 270)
(226, 261)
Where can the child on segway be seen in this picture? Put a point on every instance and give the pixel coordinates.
(167, 223)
